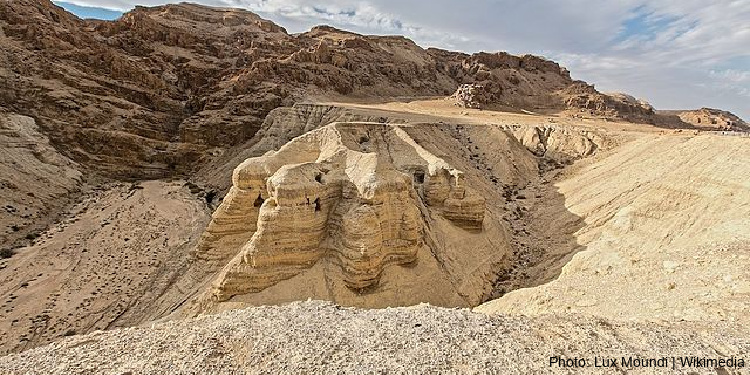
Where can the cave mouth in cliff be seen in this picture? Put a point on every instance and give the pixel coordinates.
(258, 201)
(316, 202)
(419, 177)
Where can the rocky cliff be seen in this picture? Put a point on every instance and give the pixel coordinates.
(353, 192)
(158, 91)
(707, 118)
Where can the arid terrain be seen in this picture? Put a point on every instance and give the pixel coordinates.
(186, 179)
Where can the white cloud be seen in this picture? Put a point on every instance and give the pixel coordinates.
(732, 75)
(692, 53)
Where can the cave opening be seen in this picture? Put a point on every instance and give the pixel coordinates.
(258, 201)
(316, 202)
(419, 177)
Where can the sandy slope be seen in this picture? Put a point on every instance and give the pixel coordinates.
(36, 181)
(667, 234)
(107, 265)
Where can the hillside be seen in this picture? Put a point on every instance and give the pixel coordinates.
(159, 90)
(705, 118)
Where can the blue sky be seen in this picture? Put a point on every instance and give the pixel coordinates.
(90, 12)
(676, 54)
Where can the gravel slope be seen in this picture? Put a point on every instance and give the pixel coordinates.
(319, 337)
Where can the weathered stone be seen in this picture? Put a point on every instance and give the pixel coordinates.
(351, 191)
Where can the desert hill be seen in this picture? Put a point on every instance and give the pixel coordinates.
(186, 160)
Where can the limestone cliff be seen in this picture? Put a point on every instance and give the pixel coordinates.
(158, 91)
(707, 118)
(351, 192)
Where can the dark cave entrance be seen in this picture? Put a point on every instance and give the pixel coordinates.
(419, 177)
(258, 201)
(316, 202)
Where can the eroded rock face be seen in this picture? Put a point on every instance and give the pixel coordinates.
(582, 99)
(713, 119)
(353, 192)
(558, 142)
(158, 91)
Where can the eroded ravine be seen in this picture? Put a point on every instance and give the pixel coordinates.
(456, 259)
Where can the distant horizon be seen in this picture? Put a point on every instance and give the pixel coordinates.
(660, 53)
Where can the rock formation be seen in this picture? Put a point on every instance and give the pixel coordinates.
(583, 99)
(161, 90)
(710, 118)
(558, 142)
(349, 191)
(469, 95)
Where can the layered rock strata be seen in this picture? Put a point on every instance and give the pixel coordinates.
(351, 192)
(710, 118)
(160, 90)
(558, 142)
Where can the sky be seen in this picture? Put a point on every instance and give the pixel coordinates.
(675, 54)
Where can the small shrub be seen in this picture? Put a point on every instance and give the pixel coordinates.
(6, 253)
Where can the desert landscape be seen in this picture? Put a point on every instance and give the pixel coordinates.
(195, 190)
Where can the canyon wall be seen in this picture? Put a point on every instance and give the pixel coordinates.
(162, 90)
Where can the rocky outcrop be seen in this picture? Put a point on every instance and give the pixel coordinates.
(352, 192)
(504, 81)
(557, 142)
(711, 118)
(469, 95)
(582, 100)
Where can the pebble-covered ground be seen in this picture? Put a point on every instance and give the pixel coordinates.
(322, 338)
